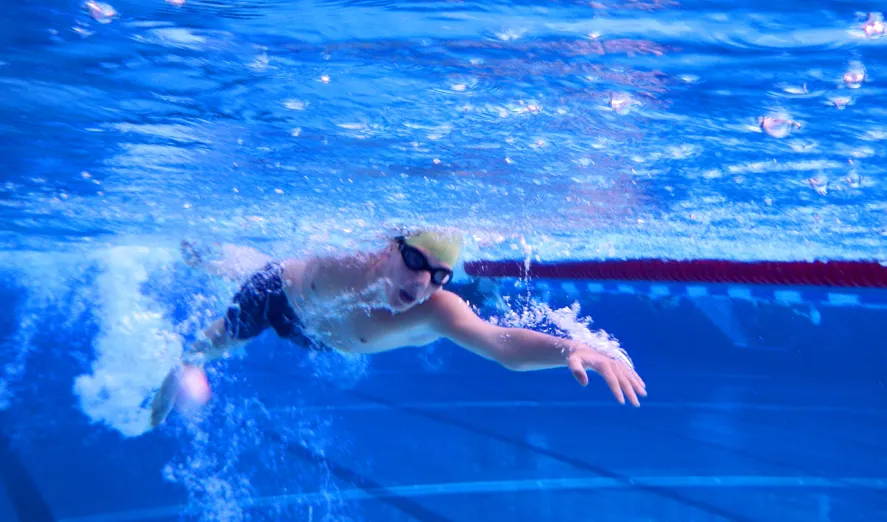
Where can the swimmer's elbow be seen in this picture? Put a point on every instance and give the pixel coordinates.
(515, 366)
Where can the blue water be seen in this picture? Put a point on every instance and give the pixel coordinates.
(547, 131)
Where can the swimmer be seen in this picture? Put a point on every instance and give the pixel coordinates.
(370, 303)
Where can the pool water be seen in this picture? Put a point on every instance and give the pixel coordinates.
(547, 131)
(759, 409)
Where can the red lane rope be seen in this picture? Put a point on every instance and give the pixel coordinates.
(819, 273)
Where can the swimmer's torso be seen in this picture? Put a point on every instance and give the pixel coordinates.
(346, 320)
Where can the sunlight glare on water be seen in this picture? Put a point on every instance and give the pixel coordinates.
(291, 122)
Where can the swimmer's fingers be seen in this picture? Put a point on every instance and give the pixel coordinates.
(622, 380)
(612, 380)
(578, 362)
(628, 387)
(639, 385)
(632, 384)
(578, 370)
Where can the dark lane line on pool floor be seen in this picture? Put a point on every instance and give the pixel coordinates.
(24, 494)
(372, 488)
(796, 467)
(577, 463)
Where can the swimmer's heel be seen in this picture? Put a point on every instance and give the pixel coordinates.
(166, 397)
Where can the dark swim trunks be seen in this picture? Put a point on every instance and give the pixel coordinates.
(261, 302)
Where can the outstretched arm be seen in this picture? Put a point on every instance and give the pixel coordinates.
(522, 350)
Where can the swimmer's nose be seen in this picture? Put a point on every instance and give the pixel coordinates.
(423, 278)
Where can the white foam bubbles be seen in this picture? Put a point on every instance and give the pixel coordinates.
(567, 320)
(136, 345)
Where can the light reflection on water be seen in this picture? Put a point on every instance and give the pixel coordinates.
(652, 128)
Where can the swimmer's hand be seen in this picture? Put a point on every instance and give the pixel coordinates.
(621, 379)
(185, 385)
(166, 397)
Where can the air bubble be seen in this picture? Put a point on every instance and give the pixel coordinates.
(874, 26)
(295, 105)
(778, 125)
(855, 75)
(622, 102)
(100, 12)
(84, 33)
(796, 89)
(819, 184)
(840, 102)
(509, 35)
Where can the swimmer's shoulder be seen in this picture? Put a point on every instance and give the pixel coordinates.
(444, 308)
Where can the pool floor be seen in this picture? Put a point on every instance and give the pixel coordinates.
(533, 446)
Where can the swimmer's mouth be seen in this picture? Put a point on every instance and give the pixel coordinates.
(407, 297)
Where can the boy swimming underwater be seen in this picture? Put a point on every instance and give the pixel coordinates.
(383, 300)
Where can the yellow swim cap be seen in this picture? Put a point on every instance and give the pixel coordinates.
(445, 245)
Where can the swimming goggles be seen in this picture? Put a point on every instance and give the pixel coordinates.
(416, 260)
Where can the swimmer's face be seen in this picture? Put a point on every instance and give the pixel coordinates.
(410, 287)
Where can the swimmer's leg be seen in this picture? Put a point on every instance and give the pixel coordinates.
(234, 262)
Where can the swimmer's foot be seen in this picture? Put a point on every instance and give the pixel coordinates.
(166, 397)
